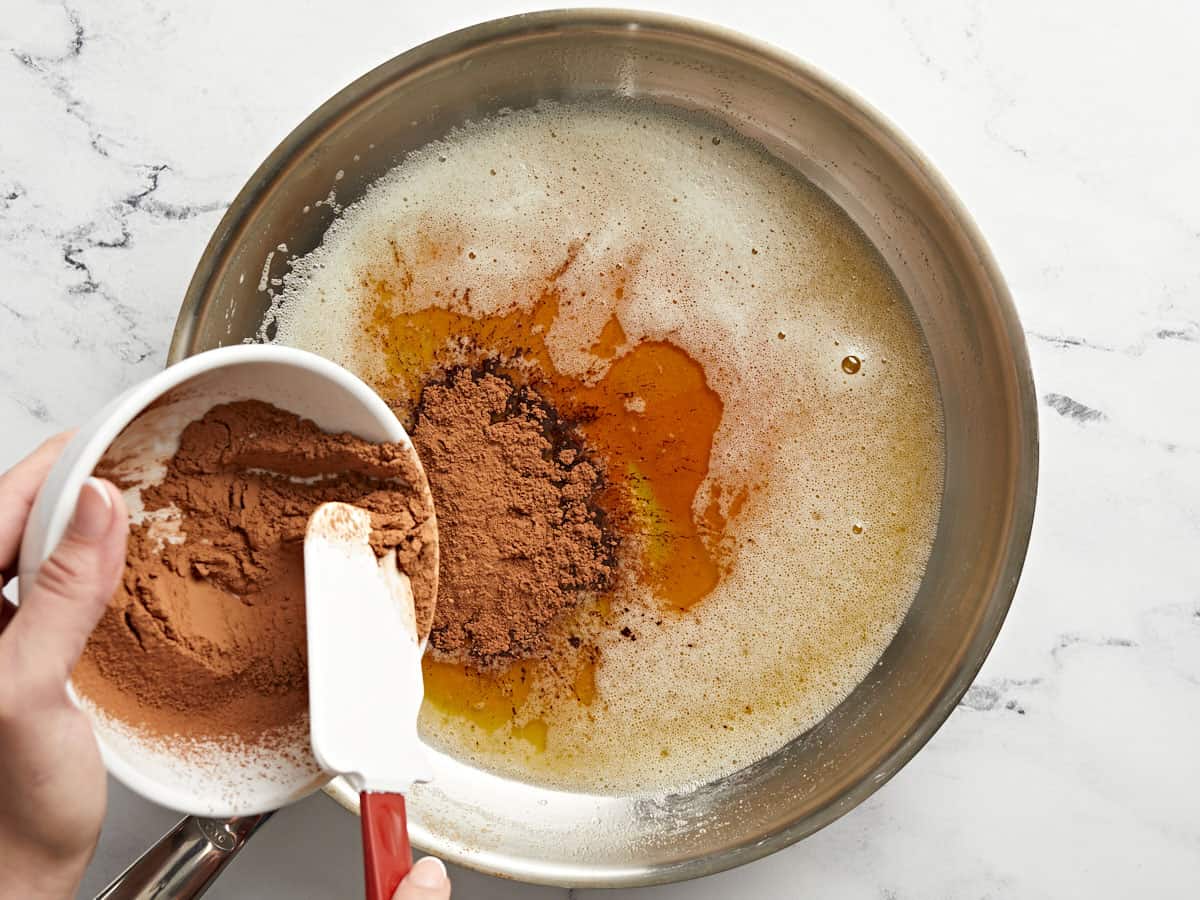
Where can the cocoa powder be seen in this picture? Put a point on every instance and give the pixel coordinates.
(206, 635)
(523, 539)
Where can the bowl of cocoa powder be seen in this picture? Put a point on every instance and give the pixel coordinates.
(195, 679)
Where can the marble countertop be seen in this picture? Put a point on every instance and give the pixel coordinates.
(1071, 130)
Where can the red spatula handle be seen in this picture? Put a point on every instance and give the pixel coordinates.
(387, 857)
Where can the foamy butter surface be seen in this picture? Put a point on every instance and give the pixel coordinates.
(745, 265)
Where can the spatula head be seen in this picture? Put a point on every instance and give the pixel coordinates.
(364, 657)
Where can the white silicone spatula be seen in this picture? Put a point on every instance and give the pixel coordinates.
(364, 681)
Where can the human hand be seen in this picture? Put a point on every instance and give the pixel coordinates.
(426, 881)
(52, 784)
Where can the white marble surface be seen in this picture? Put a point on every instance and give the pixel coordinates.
(1072, 131)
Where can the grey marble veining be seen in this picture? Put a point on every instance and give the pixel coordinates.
(1071, 130)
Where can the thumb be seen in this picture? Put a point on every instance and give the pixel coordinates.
(426, 881)
(73, 586)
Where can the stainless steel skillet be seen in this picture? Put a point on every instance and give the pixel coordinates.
(957, 294)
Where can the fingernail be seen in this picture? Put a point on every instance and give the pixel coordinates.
(93, 510)
(429, 872)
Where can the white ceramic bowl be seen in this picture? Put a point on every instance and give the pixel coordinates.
(217, 780)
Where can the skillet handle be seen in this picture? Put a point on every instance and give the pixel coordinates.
(185, 861)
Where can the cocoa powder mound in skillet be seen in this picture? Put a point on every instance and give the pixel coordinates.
(206, 635)
(522, 539)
